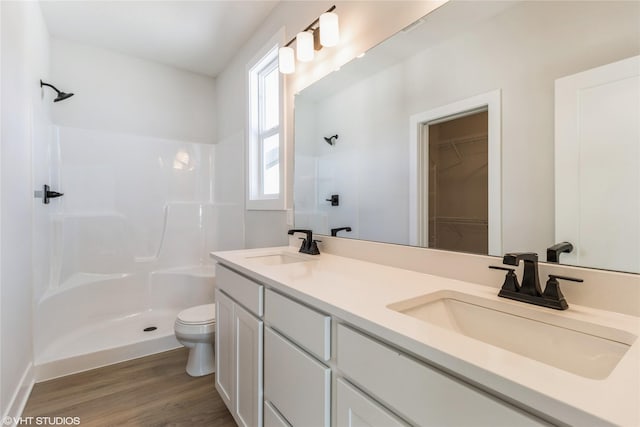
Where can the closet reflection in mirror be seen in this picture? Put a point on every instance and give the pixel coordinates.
(537, 189)
(458, 183)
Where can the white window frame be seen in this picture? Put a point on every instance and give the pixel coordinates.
(255, 198)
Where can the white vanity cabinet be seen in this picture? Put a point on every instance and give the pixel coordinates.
(297, 383)
(239, 346)
(282, 373)
(419, 393)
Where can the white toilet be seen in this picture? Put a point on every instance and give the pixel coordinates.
(195, 328)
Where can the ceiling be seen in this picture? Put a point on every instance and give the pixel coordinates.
(199, 36)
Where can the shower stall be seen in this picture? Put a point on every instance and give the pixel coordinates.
(124, 250)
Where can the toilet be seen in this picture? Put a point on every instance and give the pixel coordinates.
(195, 329)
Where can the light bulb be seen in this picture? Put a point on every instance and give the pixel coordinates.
(286, 60)
(304, 46)
(329, 31)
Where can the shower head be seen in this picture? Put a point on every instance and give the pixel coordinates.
(61, 95)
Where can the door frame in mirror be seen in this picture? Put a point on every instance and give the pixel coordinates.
(418, 179)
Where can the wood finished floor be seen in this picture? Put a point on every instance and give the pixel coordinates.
(150, 391)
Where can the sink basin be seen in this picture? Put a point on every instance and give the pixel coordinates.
(276, 259)
(582, 348)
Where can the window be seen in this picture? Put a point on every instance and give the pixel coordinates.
(265, 169)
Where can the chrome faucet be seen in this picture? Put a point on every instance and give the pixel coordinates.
(530, 291)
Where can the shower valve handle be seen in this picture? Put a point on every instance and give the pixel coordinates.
(48, 194)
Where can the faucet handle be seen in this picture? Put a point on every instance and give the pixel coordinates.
(552, 290)
(571, 279)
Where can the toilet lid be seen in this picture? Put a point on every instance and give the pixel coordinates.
(198, 315)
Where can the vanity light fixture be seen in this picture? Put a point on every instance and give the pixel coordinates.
(304, 46)
(324, 31)
(286, 60)
(329, 31)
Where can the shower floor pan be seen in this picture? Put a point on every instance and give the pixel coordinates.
(95, 321)
(111, 341)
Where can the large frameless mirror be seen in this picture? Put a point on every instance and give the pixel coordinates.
(485, 127)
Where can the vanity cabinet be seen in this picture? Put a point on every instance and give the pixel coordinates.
(239, 346)
(419, 393)
(305, 360)
(297, 384)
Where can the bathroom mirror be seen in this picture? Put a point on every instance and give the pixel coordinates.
(466, 132)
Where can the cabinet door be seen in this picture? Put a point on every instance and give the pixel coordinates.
(296, 383)
(272, 418)
(248, 361)
(355, 409)
(224, 348)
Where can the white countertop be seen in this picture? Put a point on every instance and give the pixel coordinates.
(359, 292)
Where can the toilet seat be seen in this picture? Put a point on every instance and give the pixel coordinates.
(198, 315)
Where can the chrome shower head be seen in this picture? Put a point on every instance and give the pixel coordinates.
(61, 95)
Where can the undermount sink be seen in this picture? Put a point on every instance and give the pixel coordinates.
(276, 259)
(582, 348)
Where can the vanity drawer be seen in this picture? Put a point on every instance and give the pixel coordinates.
(356, 409)
(304, 326)
(272, 418)
(422, 394)
(295, 383)
(244, 291)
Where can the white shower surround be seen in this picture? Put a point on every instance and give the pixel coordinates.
(101, 321)
(129, 245)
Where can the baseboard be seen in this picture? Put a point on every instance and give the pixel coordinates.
(19, 398)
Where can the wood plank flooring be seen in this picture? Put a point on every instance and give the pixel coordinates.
(150, 391)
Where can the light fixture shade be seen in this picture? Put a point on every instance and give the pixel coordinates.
(286, 60)
(304, 46)
(329, 31)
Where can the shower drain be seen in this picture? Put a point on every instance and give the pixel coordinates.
(150, 328)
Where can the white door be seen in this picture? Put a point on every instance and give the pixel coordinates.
(248, 354)
(224, 348)
(597, 166)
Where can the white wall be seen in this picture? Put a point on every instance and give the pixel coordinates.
(25, 121)
(121, 93)
(362, 25)
(370, 162)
